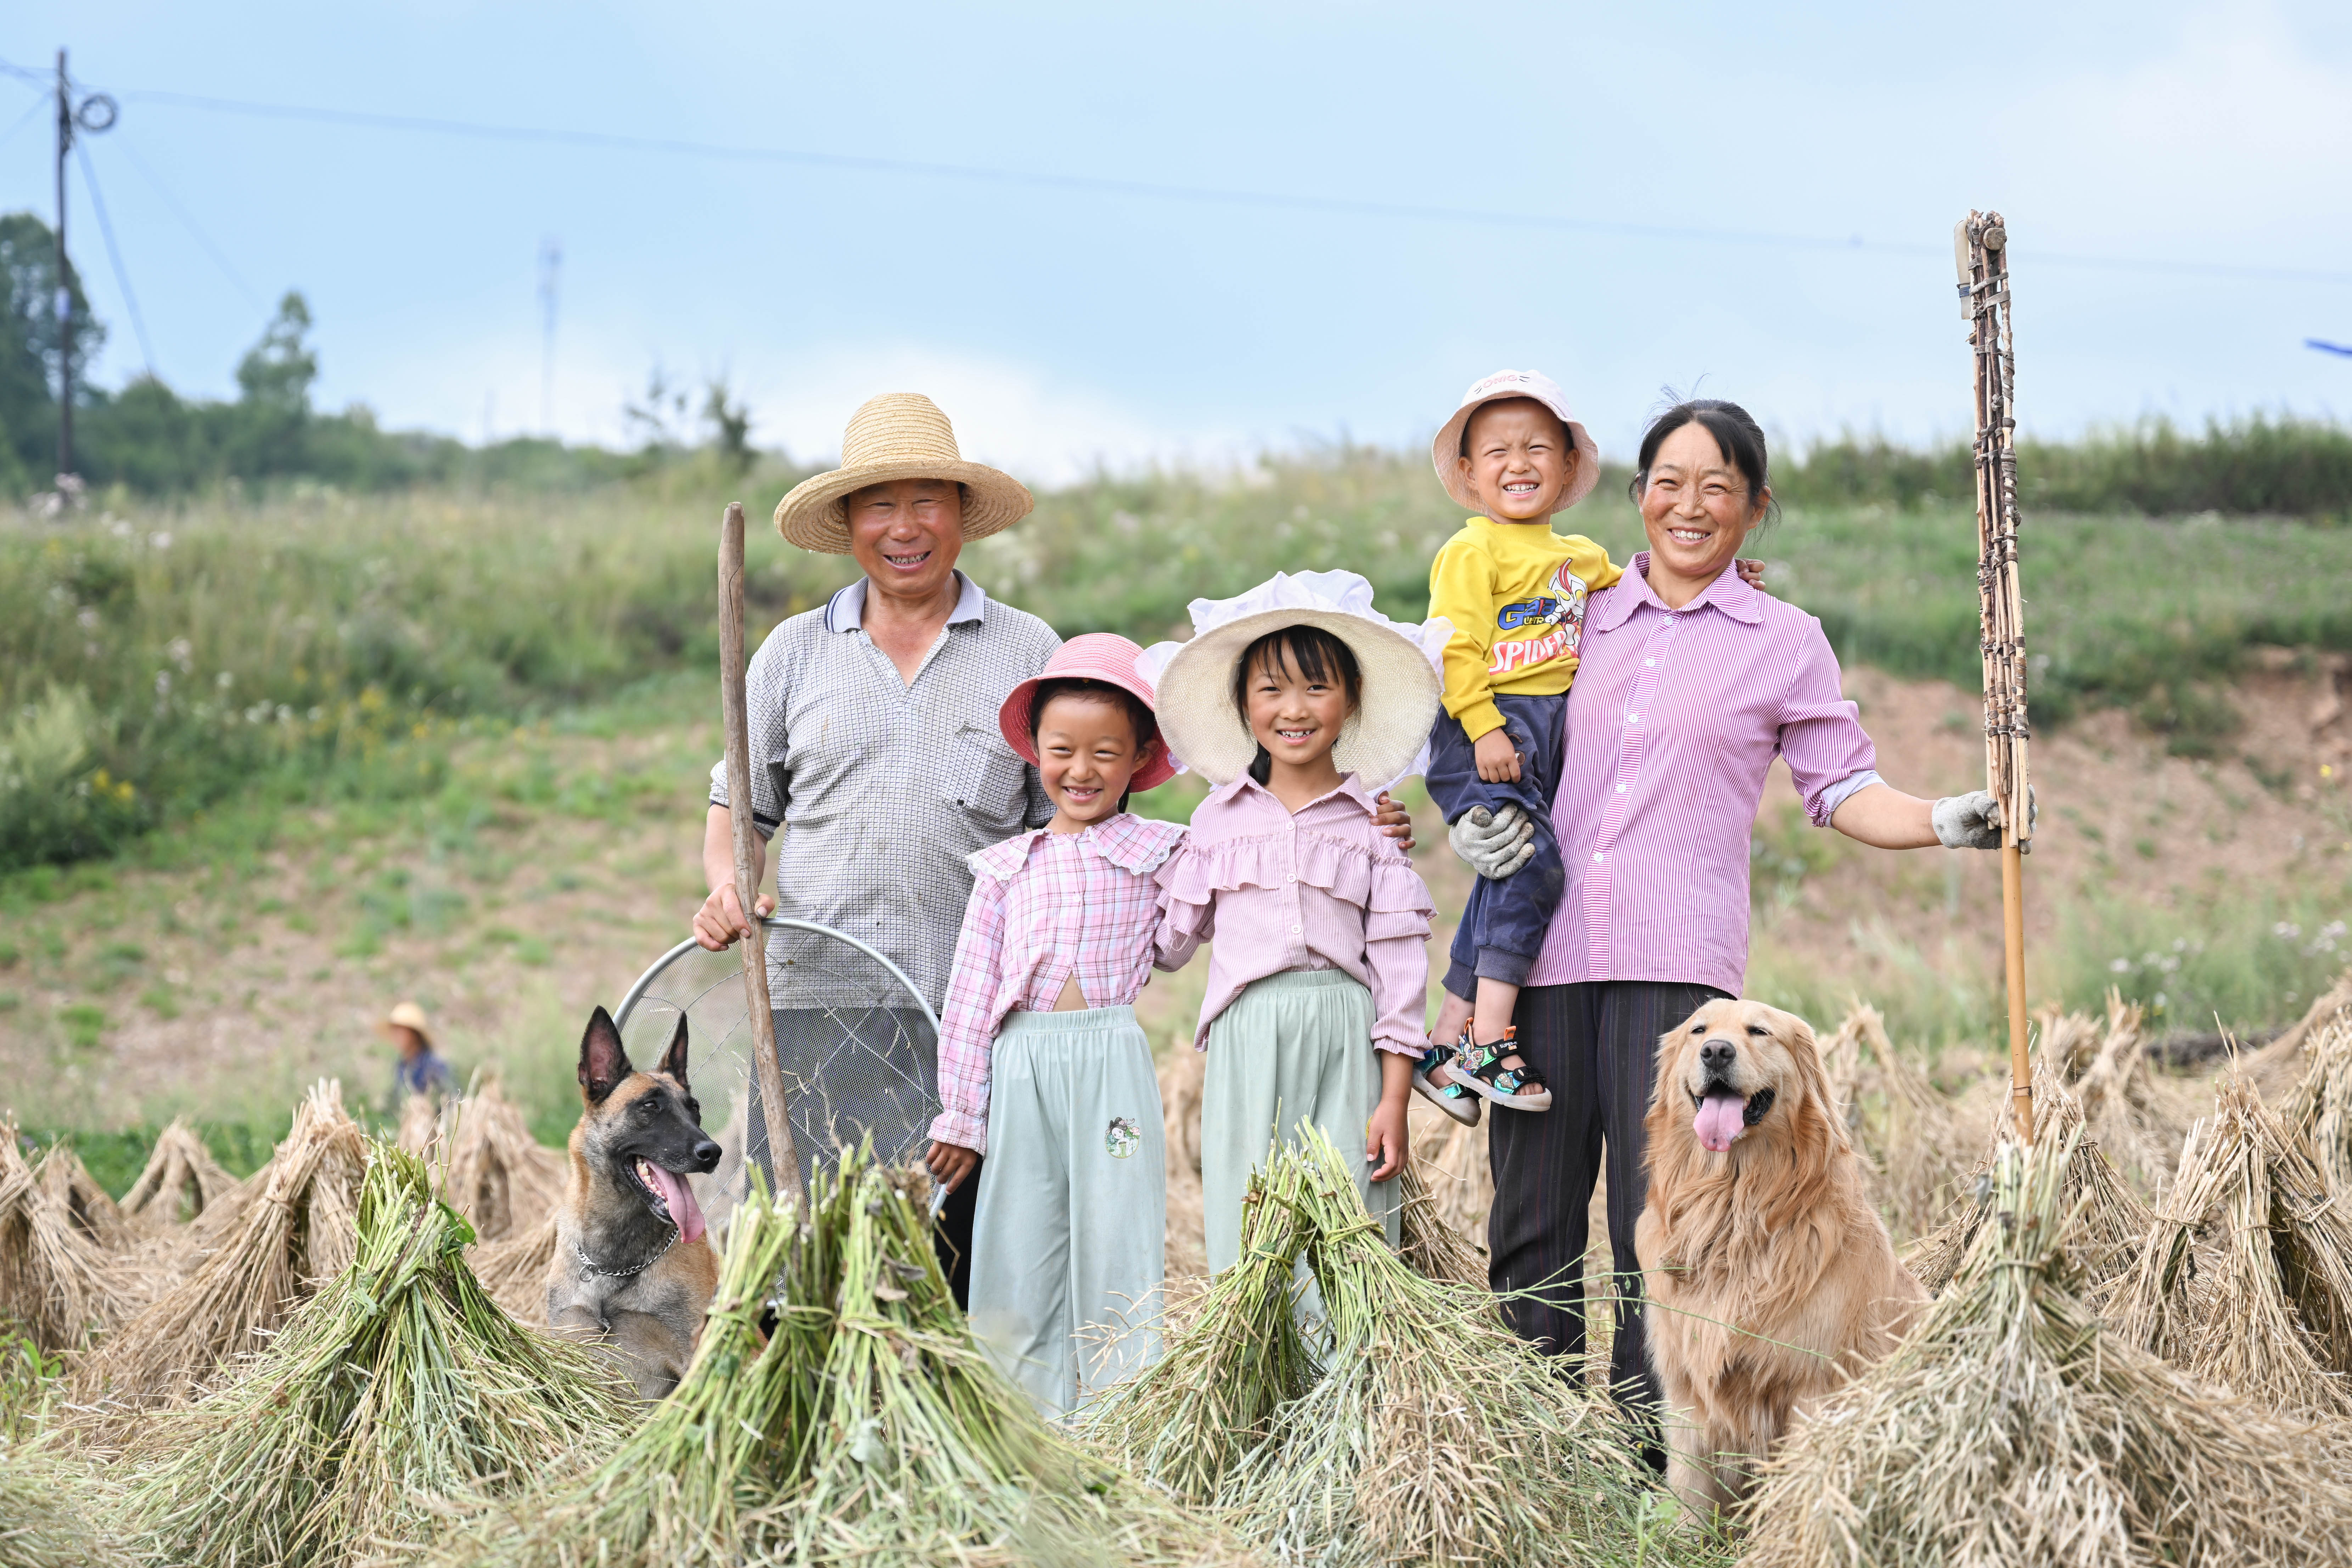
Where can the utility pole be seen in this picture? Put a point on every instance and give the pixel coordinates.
(64, 287)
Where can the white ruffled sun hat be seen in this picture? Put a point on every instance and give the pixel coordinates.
(1380, 744)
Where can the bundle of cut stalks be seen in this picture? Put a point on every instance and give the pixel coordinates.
(1180, 1082)
(513, 1269)
(420, 1126)
(55, 1277)
(1352, 1440)
(865, 1428)
(41, 1525)
(2278, 1067)
(396, 1393)
(180, 1180)
(2320, 1107)
(1427, 1240)
(94, 1212)
(1454, 1165)
(493, 1172)
(1911, 1139)
(2009, 1431)
(2246, 1278)
(291, 1236)
(2138, 1119)
(2109, 1221)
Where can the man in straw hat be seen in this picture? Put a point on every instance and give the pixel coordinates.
(421, 1070)
(873, 732)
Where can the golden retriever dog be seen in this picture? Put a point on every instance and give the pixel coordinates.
(1770, 1279)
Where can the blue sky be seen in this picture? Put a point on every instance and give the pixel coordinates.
(1064, 326)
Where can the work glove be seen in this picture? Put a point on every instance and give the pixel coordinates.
(1495, 843)
(1973, 821)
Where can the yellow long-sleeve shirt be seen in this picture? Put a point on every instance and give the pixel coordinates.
(1515, 593)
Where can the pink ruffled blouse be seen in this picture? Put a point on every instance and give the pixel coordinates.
(1323, 888)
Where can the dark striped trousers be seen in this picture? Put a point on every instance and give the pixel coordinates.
(1597, 1043)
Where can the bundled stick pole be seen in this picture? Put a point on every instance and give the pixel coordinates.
(781, 1156)
(1980, 250)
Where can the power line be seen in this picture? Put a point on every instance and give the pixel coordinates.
(1221, 195)
(24, 120)
(114, 255)
(188, 221)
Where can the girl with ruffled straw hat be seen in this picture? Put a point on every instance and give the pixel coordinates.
(1297, 702)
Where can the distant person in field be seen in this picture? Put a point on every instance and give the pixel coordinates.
(421, 1070)
(876, 749)
(1515, 593)
(1691, 683)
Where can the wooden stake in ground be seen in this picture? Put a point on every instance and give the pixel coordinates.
(783, 1160)
(1980, 249)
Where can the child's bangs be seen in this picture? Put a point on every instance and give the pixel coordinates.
(1309, 653)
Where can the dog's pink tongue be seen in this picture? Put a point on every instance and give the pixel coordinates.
(1721, 1120)
(684, 1212)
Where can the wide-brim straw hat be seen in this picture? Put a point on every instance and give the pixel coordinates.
(1381, 742)
(1445, 448)
(898, 435)
(407, 1015)
(1107, 660)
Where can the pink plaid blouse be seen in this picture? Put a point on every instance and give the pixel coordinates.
(1321, 889)
(1044, 906)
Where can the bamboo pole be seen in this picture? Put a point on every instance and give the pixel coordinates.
(1981, 251)
(784, 1159)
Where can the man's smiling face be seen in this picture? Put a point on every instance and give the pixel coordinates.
(907, 534)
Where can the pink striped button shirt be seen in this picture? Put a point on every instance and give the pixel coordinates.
(1044, 907)
(1673, 721)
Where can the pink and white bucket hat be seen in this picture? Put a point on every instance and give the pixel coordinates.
(1445, 451)
(1103, 656)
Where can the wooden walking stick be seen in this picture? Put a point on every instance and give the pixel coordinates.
(1980, 249)
(782, 1158)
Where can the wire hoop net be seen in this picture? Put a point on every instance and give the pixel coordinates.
(857, 1045)
(1980, 250)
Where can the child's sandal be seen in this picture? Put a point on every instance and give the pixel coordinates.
(1520, 1087)
(1455, 1099)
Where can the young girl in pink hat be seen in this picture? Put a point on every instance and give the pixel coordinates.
(1043, 1067)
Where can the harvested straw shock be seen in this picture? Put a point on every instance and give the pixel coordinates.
(495, 1172)
(864, 1427)
(2320, 1108)
(2109, 1220)
(513, 1269)
(41, 1523)
(180, 1180)
(293, 1234)
(55, 1277)
(398, 1391)
(2139, 1119)
(1913, 1141)
(93, 1212)
(2247, 1274)
(2009, 1431)
(1356, 1440)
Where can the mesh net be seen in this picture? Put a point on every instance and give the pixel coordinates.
(858, 1054)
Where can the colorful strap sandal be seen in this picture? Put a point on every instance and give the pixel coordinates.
(1454, 1098)
(1521, 1088)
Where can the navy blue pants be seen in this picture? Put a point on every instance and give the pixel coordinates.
(1503, 924)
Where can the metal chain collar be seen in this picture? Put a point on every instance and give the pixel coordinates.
(588, 1270)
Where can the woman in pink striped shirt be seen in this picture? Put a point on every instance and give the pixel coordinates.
(1692, 683)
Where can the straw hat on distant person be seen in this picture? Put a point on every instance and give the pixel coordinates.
(898, 435)
(406, 1016)
(1381, 743)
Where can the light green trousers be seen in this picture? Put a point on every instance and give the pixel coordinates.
(1293, 1048)
(1069, 1236)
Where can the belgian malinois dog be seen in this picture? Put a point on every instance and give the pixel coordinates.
(632, 1273)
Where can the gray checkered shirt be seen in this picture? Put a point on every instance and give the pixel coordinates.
(883, 786)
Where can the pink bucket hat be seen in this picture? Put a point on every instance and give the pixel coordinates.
(1103, 656)
(1445, 451)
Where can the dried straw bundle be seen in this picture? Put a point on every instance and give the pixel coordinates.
(1365, 1443)
(1427, 1240)
(2320, 1107)
(420, 1125)
(181, 1179)
(54, 1277)
(2138, 1120)
(2277, 1068)
(1181, 1077)
(494, 1172)
(513, 1269)
(292, 1236)
(2109, 1221)
(2264, 1308)
(397, 1391)
(1911, 1139)
(2009, 1431)
(1453, 1162)
(41, 1525)
(94, 1212)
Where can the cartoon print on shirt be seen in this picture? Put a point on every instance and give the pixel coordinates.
(1565, 613)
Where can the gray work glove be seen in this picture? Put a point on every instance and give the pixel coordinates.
(1973, 821)
(1495, 843)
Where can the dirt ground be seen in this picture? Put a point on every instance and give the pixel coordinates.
(220, 988)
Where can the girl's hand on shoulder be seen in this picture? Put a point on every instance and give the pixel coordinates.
(950, 1164)
(1392, 819)
(1751, 573)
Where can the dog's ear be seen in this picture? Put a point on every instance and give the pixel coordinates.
(673, 1060)
(603, 1060)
